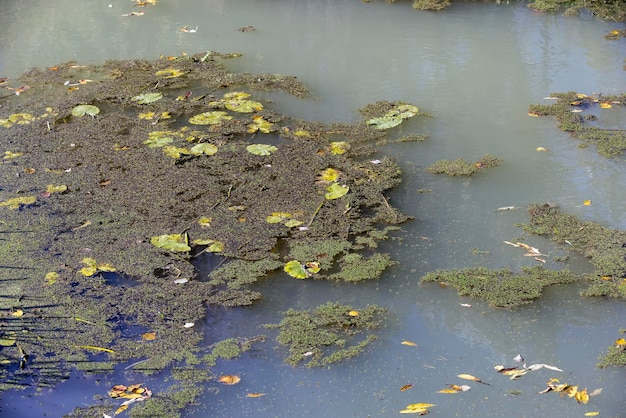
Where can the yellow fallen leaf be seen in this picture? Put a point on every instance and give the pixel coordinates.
(121, 409)
(540, 149)
(17, 313)
(406, 387)
(605, 105)
(229, 379)
(420, 405)
(581, 95)
(255, 395)
(470, 377)
(587, 202)
(148, 336)
(92, 347)
(592, 414)
(409, 343)
(582, 396)
(353, 313)
(447, 391)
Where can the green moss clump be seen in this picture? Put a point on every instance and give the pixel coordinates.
(616, 354)
(328, 334)
(238, 273)
(229, 348)
(502, 287)
(430, 4)
(603, 246)
(461, 167)
(356, 267)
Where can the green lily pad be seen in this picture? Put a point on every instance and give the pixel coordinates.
(158, 141)
(7, 340)
(295, 269)
(213, 245)
(175, 152)
(203, 148)
(178, 243)
(261, 149)
(277, 217)
(147, 98)
(169, 73)
(210, 118)
(16, 202)
(243, 106)
(386, 122)
(82, 110)
(335, 191)
(292, 223)
(260, 124)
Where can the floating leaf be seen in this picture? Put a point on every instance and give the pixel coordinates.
(205, 221)
(335, 191)
(169, 73)
(417, 408)
(447, 391)
(148, 336)
(229, 379)
(82, 110)
(92, 267)
(605, 105)
(353, 313)
(261, 149)
(260, 124)
(175, 152)
(592, 414)
(213, 245)
(147, 115)
(189, 325)
(295, 269)
(407, 111)
(7, 340)
(203, 148)
(409, 343)
(172, 242)
(210, 118)
(50, 188)
(10, 155)
(157, 141)
(16, 202)
(243, 106)
(541, 149)
(470, 377)
(329, 175)
(340, 147)
(301, 133)
(254, 395)
(587, 202)
(313, 267)
(147, 98)
(386, 122)
(51, 277)
(406, 387)
(95, 348)
(582, 396)
(277, 217)
(292, 223)
(17, 118)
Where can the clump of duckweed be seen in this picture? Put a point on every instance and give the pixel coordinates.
(461, 167)
(616, 353)
(357, 267)
(500, 287)
(328, 334)
(569, 111)
(606, 248)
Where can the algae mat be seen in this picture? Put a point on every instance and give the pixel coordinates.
(115, 177)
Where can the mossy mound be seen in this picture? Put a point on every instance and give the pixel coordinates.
(461, 167)
(616, 353)
(569, 110)
(500, 287)
(606, 248)
(328, 334)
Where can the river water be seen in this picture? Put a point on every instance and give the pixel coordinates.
(475, 68)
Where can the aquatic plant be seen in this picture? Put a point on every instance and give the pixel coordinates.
(328, 333)
(569, 110)
(461, 167)
(500, 287)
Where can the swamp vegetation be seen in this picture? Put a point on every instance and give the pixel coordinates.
(116, 178)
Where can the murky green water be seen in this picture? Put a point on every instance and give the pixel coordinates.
(475, 68)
